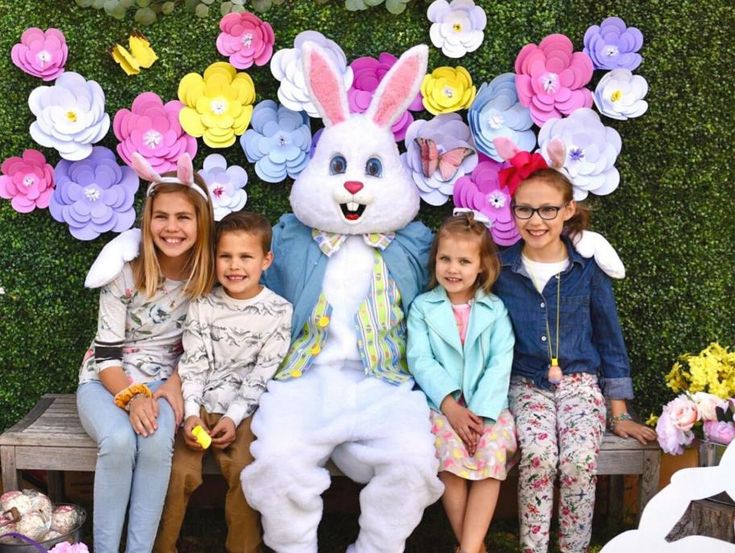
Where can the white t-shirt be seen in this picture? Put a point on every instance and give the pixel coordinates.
(541, 272)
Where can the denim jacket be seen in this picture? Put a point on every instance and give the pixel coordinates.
(591, 338)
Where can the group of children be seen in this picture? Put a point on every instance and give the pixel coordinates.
(170, 348)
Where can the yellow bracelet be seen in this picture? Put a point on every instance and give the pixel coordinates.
(125, 395)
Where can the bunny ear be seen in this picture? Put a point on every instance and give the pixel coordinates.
(325, 85)
(399, 87)
(505, 147)
(185, 170)
(557, 153)
(144, 169)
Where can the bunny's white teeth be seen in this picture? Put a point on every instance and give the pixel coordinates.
(352, 211)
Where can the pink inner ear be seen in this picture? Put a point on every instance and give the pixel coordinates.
(326, 87)
(144, 169)
(557, 152)
(505, 147)
(184, 169)
(396, 91)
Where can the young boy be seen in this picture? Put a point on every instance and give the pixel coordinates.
(234, 339)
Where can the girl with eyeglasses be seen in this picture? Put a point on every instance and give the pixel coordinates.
(569, 350)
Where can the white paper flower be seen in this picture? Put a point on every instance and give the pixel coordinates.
(70, 115)
(592, 149)
(287, 68)
(457, 27)
(619, 95)
(226, 185)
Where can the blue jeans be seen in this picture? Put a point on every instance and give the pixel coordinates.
(130, 469)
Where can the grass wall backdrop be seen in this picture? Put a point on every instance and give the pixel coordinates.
(671, 219)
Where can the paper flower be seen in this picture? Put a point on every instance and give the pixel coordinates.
(481, 191)
(217, 105)
(619, 95)
(612, 45)
(226, 185)
(70, 115)
(446, 132)
(245, 39)
(496, 112)
(447, 89)
(550, 78)
(368, 72)
(287, 68)
(456, 27)
(592, 149)
(94, 195)
(278, 143)
(27, 182)
(393, 6)
(153, 130)
(41, 53)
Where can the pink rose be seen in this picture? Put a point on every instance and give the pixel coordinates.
(719, 431)
(683, 413)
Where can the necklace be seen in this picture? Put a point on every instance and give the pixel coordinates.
(555, 373)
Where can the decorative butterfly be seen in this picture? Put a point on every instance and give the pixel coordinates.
(448, 162)
(140, 54)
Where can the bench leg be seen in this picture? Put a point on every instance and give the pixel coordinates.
(55, 480)
(9, 470)
(649, 478)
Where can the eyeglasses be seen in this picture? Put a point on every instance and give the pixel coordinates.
(546, 212)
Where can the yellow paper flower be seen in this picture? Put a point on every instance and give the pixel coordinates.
(447, 89)
(218, 105)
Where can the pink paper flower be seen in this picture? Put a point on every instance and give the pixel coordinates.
(550, 78)
(245, 39)
(27, 182)
(41, 53)
(153, 130)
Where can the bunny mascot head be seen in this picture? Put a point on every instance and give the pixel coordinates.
(350, 259)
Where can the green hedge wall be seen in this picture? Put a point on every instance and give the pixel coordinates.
(671, 218)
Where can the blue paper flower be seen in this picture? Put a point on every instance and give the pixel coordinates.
(612, 45)
(496, 112)
(278, 142)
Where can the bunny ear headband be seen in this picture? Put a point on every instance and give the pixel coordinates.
(523, 164)
(184, 174)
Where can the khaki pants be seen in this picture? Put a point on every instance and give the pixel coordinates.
(243, 523)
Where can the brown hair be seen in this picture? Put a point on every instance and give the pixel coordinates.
(581, 219)
(200, 263)
(465, 226)
(246, 221)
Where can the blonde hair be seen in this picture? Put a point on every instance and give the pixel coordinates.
(200, 263)
(465, 226)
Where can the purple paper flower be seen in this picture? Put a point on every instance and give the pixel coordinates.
(591, 148)
(153, 130)
(41, 53)
(70, 115)
(278, 142)
(496, 112)
(94, 195)
(447, 132)
(612, 45)
(245, 39)
(226, 185)
(457, 28)
(27, 182)
(550, 78)
(481, 191)
(368, 72)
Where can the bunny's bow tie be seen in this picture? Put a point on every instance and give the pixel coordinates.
(331, 242)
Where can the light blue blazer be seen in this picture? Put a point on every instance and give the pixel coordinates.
(441, 365)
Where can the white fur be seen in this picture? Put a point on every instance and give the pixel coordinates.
(114, 255)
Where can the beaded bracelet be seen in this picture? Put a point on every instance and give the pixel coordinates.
(619, 418)
(126, 394)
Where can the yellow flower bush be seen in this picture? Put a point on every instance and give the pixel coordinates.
(218, 105)
(712, 370)
(447, 89)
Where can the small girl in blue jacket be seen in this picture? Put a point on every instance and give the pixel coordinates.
(460, 351)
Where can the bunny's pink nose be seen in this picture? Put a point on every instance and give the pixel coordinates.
(353, 186)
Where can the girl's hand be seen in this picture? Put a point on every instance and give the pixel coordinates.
(631, 429)
(223, 433)
(171, 392)
(143, 413)
(189, 439)
(465, 423)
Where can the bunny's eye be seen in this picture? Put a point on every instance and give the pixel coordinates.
(374, 167)
(337, 165)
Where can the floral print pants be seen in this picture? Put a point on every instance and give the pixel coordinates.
(559, 433)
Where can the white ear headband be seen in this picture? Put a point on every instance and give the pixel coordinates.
(184, 174)
(476, 215)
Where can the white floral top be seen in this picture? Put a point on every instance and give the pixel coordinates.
(141, 334)
(232, 348)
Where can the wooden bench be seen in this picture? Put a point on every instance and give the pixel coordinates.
(50, 437)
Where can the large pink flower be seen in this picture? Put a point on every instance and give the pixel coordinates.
(550, 78)
(153, 130)
(245, 39)
(41, 53)
(27, 182)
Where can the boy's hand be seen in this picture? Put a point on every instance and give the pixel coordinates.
(223, 433)
(189, 438)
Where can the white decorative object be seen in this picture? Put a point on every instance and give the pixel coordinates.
(457, 28)
(619, 95)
